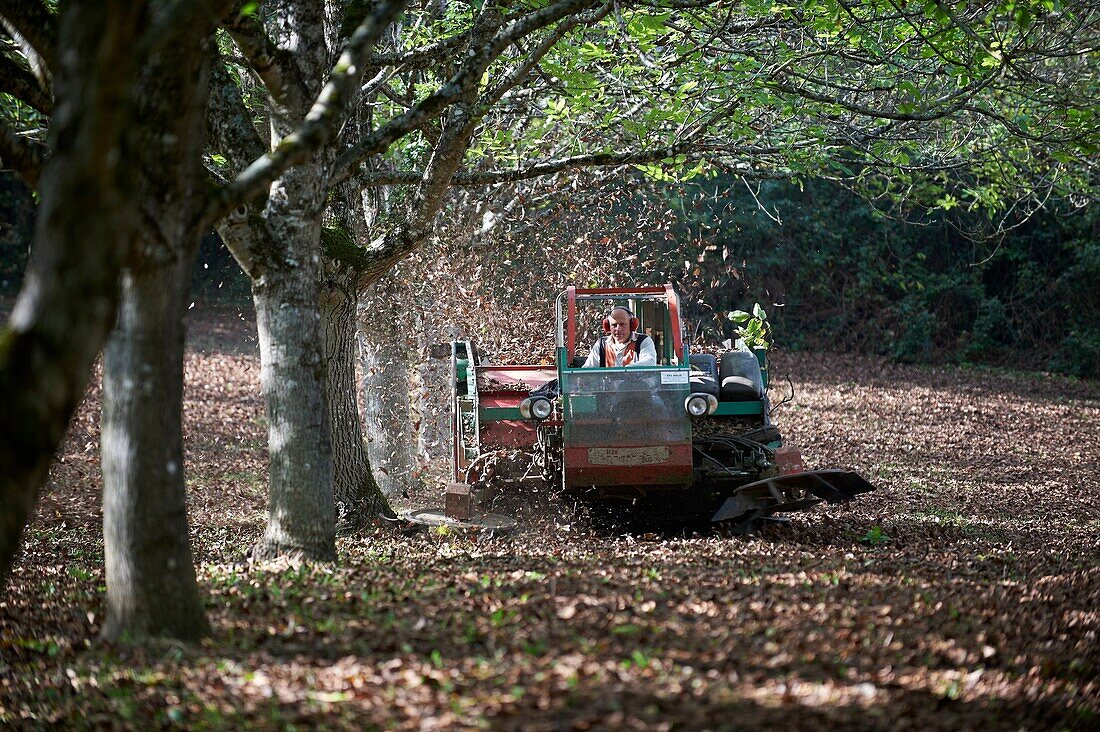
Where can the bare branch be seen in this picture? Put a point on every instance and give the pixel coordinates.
(425, 56)
(464, 79)
(492, 96)
(421, 57)
(686, 151)
(274, 66)
(866, 111)
(447, 155)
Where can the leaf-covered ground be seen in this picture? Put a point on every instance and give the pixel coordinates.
(963, 594)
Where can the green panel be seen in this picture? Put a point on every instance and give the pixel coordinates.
(762, 359)
(582, 404)
(729, 409)
(499, 414)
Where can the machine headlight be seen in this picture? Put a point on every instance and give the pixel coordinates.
(700, 405)
(535, 408)
(541, 408)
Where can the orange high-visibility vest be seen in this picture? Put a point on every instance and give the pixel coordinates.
(607, 357)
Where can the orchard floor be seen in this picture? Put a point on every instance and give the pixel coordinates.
(963, 594)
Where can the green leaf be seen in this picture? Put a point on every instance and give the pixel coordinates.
(875, 536)
(739, 316)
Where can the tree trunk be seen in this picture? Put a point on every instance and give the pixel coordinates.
(85, 227)
(386, 417)
(301, 512)
(151, 587)
(382, 340)
(284, 264)
(358, 497)
(434, 440)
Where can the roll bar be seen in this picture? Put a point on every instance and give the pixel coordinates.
(566, 336)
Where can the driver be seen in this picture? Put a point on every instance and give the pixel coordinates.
(623, 347)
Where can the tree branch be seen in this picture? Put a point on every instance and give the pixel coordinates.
(421, 57)
(862, 109)
(464, 79)
(446, 157)
(229, 123)
(274, 66)
(323, 120)
(22, 155)
(34, 22)
(493, 95)
(17, 80)
(548, 167)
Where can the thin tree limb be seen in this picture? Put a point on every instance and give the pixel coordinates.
(691, 151)
(493, 95)
(465, 78)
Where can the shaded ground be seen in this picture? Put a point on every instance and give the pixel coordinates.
(963, 594)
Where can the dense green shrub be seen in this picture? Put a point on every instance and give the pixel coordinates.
(839, 275)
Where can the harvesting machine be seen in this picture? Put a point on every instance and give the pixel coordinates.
(688, 437)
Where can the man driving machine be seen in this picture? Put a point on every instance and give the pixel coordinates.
(623, 345)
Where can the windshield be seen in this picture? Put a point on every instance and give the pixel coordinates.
(631, 406)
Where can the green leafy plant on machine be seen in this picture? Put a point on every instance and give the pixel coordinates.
(752, 328)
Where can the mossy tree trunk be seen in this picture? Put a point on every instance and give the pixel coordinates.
(358, 497)
(85, 228)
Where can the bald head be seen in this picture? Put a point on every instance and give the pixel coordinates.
(619, 319)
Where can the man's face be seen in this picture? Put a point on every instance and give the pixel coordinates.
(620, 326)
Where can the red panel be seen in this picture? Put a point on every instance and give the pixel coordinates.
(674, 319)
(494, 392)
(789, 460)
(507, 386)
(675, 470)
(519, 433)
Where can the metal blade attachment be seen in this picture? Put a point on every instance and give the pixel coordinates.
(757, 501)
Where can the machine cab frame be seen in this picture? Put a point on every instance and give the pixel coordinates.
(625, 425)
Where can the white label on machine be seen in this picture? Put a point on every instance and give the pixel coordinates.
(679, 376)
(627, 455)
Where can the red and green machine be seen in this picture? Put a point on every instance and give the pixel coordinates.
(690, 436)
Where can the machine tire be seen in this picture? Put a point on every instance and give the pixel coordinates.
(704, 373)
(739, 376)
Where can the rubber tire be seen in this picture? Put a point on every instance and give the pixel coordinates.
(739, 376)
